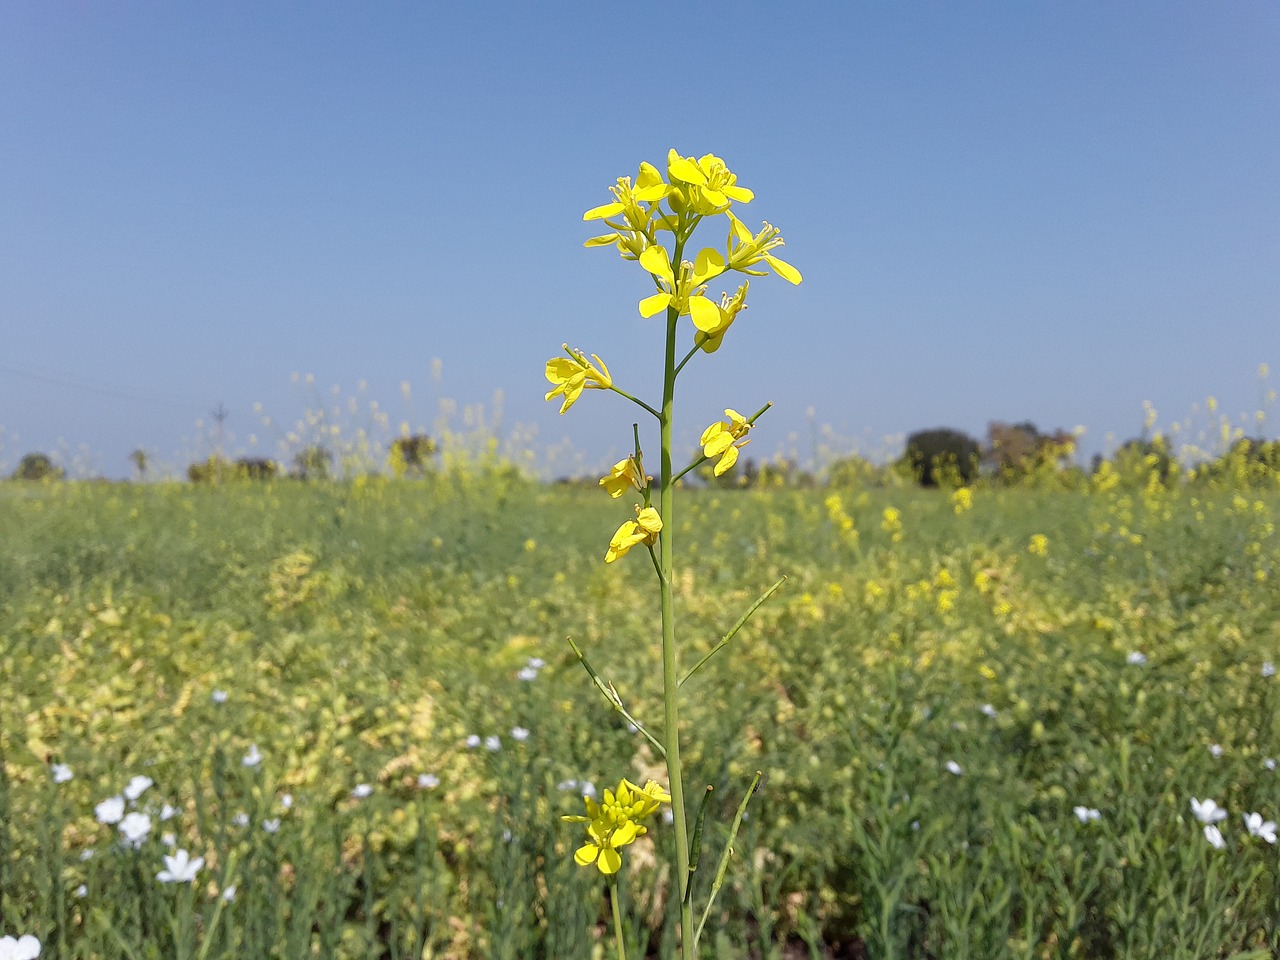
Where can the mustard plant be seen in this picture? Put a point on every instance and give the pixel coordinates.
(643, 218)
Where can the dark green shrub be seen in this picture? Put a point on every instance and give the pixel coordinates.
(941, 456)
(37, 466)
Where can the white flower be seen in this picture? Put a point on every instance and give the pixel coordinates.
(135, 828)
(86, 856)
(527, 674)
(1257, 827)
(1207, 811)
(169, 839)
(1136, 658)
(1269, 763)
(668, 816)
(82, 891)
(492, 743)
(1214, 836)
(536, 663)
(520, 734)
(473, 741)
(241, 819)
(954, 768)
(180, 868)
(168, 812)
(1085, 814)
(61, 773)
(428, 781)
(137, 787)
(361, 790)
(589, 790)
(989, 711)
(286, 801)
(229, 894)
(272, 825)
(253, 757)
(1268, 668)
(110, 810)
(218, 696)
(25, 947)
(1215, 750)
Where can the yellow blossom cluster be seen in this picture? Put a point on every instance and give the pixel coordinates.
(616, 822)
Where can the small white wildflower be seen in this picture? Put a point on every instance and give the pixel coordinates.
(218, 696)
(169, 839)
(361, 790)
(137, 787)
(82, 891)
(1215, 750)
(1268, 668)
(989, 711)
(567, 785)
(507, 835)
(1269, 763)
(520, 734)
(229, 894)
(253, 757)
(954, 768)
(589, 790)
(241, 819)
(86, 856)
(1214, 836)
(110, 810)
(61, 773)
(1136, 658)
(1085, 814)
(527, 674)
(180, 868)
(428, 781)
(1257, 827)
(168, 812)
(473, 741)
(536, 663)
(286, 801)
(1207, 811)
(492, 743)
(25, 947)
(272, 825)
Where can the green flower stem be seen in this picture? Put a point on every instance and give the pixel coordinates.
(618, 934)
(636, 400)
(670, 666)
(724, 641)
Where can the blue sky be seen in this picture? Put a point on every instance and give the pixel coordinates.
(1045, 211)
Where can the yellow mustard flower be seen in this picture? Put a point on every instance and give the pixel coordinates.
(615, 822)
(623, 475)
(1039, 545)
(573, 373)
(746, 250)
(723, 440)
(706, 186)
(710, 339)
(685, 292)
(643, 529)
(628, 214)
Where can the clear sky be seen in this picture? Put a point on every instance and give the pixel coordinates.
(1048, 211)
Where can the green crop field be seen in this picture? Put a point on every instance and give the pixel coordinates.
(989, 721)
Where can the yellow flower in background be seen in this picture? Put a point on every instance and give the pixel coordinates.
(623, 475)
(710, 339)
(746, 250)
(723, 440)
(706, 186)
(962, 500)
(1039, 545)
(643, 529)
(685, 292)
(574, 373)
(891, 523)
(615, 822)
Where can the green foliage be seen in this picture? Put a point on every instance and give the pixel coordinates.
(37, 466)
(941, 457)
(363, 630)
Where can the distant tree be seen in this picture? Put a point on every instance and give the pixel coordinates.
(412, 454)
(255, 468)
(313, 463)
(213, 470)
(37, 466)
(140, 462)
(1016, 450)
(1137, 461)
(941, 455)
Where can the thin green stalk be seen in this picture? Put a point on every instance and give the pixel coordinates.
(670, 665)
(618, 933)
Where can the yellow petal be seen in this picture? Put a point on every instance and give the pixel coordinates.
(738, 228)
(708, 264)
(586, 854)
(706, 314)
(655, 304)
(727, 461)
(649, 184)
(602, 241)
(655, 260)
(625, 834)
(739, 194)
(718, 444)
(604, 211)
(610, 862)
(649, 520)
(783, 269)
(685, 170)
(715, 429)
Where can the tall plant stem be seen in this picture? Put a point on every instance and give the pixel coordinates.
(670, 665)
